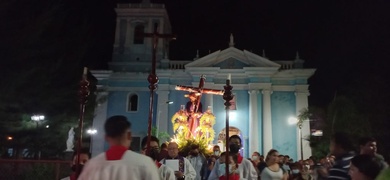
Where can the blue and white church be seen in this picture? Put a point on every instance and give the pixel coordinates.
(267, 92)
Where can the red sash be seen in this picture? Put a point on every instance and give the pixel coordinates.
(231, 177)
(73, 176)
(158, 164)
(239, 158)
(115, 153)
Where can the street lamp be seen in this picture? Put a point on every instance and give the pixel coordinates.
(91, 132)
(37, 118)
(299, 123)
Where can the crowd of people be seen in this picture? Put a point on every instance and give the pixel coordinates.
(166, 163)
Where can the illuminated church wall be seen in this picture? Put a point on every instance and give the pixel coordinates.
(283, 133)
(267, 91)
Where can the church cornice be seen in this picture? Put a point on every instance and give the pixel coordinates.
(296, 73)
(208, 71)
(260, 71)
(109, 88)
(252, 86)
(101, 74)
(142, 14)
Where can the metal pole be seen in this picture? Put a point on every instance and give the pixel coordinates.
(227, 96)
(84, 93)
(300, 141)
(153, 80)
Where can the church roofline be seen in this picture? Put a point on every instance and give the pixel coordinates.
(297, 73)
(244, 56)
(140, 6)
(101, 74)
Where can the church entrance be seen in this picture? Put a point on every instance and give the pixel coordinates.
(232, 131)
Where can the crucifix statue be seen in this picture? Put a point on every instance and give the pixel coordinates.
(194, 106)
(152, 78)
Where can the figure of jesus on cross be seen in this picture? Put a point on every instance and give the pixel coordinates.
(194, 106)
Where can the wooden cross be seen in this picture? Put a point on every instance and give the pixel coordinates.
(152, 78)
(155, 36)
(198, 92)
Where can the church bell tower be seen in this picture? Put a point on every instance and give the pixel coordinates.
(132, 52)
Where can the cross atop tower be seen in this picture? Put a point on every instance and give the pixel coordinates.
(231, 43)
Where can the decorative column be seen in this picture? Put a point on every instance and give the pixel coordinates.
(162, 111)
(208, 101)
(267, 121)
(149, 27)
(129, 33)
(98, 124)
(302, 103)
(253, 122)
(117, 33)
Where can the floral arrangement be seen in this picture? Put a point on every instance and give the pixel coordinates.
(204, 132)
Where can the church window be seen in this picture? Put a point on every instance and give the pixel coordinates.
(132, 104)
(138, 34)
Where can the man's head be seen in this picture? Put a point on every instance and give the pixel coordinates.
(234, 143)
(367, 145)
(281, 159)
(85, 155)
(194, 150)
(164, 147)
(340, 143)
(117, 129)
(216, 150)
(364, 166)
(261, 158)
(173, 150)
(193, 96)
(222, 157)
(255, 156)
(154, 147)
(286, 159)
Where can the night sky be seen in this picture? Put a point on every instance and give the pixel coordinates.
(346, 42)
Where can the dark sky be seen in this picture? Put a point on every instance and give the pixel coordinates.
(344, 40)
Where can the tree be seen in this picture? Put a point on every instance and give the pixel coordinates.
(359, 110)
(45, 45)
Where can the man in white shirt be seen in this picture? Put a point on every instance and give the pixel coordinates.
(164, 171)
(185, 171)
(197, 161)
(118, 162)
(245, 167)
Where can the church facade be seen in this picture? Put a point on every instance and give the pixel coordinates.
(267, 92)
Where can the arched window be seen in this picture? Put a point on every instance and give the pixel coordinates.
(132, 104)
(138, 34)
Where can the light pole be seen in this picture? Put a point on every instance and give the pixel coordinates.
(37, 118)
(91, 132)
(299, 123)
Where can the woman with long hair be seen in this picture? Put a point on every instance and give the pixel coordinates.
(273, 171)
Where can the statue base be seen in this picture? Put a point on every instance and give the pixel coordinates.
(68, 155)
